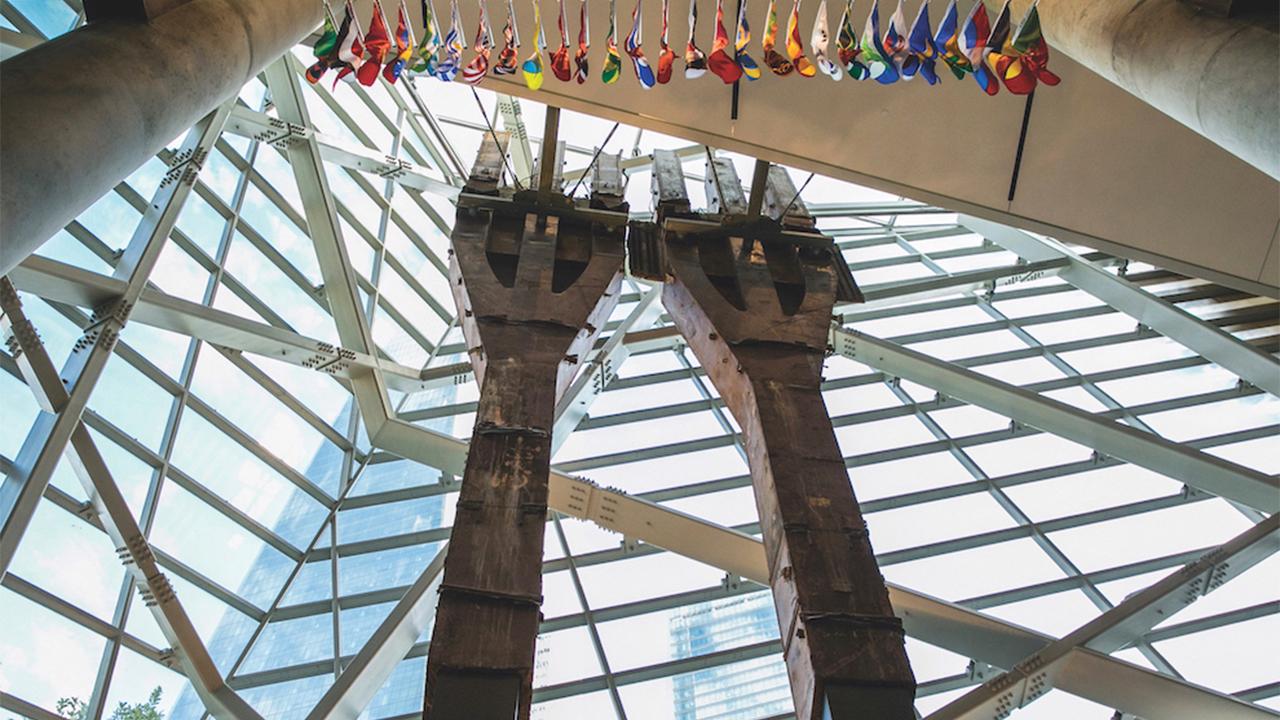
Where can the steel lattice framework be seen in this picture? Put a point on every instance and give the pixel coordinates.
(980, 347)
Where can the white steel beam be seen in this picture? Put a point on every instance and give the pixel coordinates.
(603, 367)
(1175, 460)
(285, 133)
(131, 543)
(1120, 626)
(68, 284)
(44, 445)
(1215, 344)
(365, 675)
(522, 159)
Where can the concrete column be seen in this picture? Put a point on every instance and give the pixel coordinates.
(82, 111)
(1218, 76)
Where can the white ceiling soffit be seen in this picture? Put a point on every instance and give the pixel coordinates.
(1100, 167)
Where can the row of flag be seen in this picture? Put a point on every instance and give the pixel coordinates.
(993, 53)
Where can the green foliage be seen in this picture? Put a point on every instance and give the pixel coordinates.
(76, 709)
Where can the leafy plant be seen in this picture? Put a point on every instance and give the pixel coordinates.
(77, 709)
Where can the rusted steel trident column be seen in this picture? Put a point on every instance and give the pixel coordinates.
(754, 301)
(534, 278)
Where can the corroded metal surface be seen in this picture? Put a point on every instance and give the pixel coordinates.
(754, 304)
(534, 278)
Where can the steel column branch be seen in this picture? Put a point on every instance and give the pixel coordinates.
(756, 310)
(534, 281)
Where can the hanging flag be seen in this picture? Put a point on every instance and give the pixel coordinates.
(993, 49)
(795, 48)
(584, 43)
(612, 60)
(325, 49)
(972, 42)
(777, 63)
(1031, 64)
(532, 66)
(895, 42)
(924, 53)
(719, 61)
(426, 51)
(948, 43)
(377, 44)
(350, 46)
(742, 38)
(632, 45)
(820, 40)
(847, 49)
(695, 62)
(475, 70)
(879, 64)
(666, 56)
(404, 47)
(508, 57)
(447, 67)
(560, 58)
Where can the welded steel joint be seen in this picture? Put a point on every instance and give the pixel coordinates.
(754, 300)
(535, 277)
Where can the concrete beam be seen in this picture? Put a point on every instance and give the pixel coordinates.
(150, 82)
(1222, 81)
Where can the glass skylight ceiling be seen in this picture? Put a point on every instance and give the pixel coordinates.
(289, 538)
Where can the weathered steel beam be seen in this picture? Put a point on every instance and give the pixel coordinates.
(753, 298)
(535, 279)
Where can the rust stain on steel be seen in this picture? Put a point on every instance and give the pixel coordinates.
(534, 277)
(756, 308)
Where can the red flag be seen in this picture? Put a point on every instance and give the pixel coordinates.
(397, 61)
(719, 61)
(377, 43)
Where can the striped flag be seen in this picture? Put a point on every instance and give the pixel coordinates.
(508, 56)
(923, 51)
(448, 67)
(377, 43)
(718, 61)
(666, 56)
(632, 44)
(973, 38)
(895, 42)
(404, 47)
(948, 42)
(777, 63)
(350, 46)
(820, 40)
(847, 49)
(879, 65)
(532, 67)
(695, 62)
(325, 49)
(612, 60)
(474, 72)
(795, 48)
(1030, 65)
(430, 42)
(580, 58)
(741, 39)
(560, 58)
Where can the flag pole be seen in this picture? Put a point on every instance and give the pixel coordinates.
(1022, 142)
